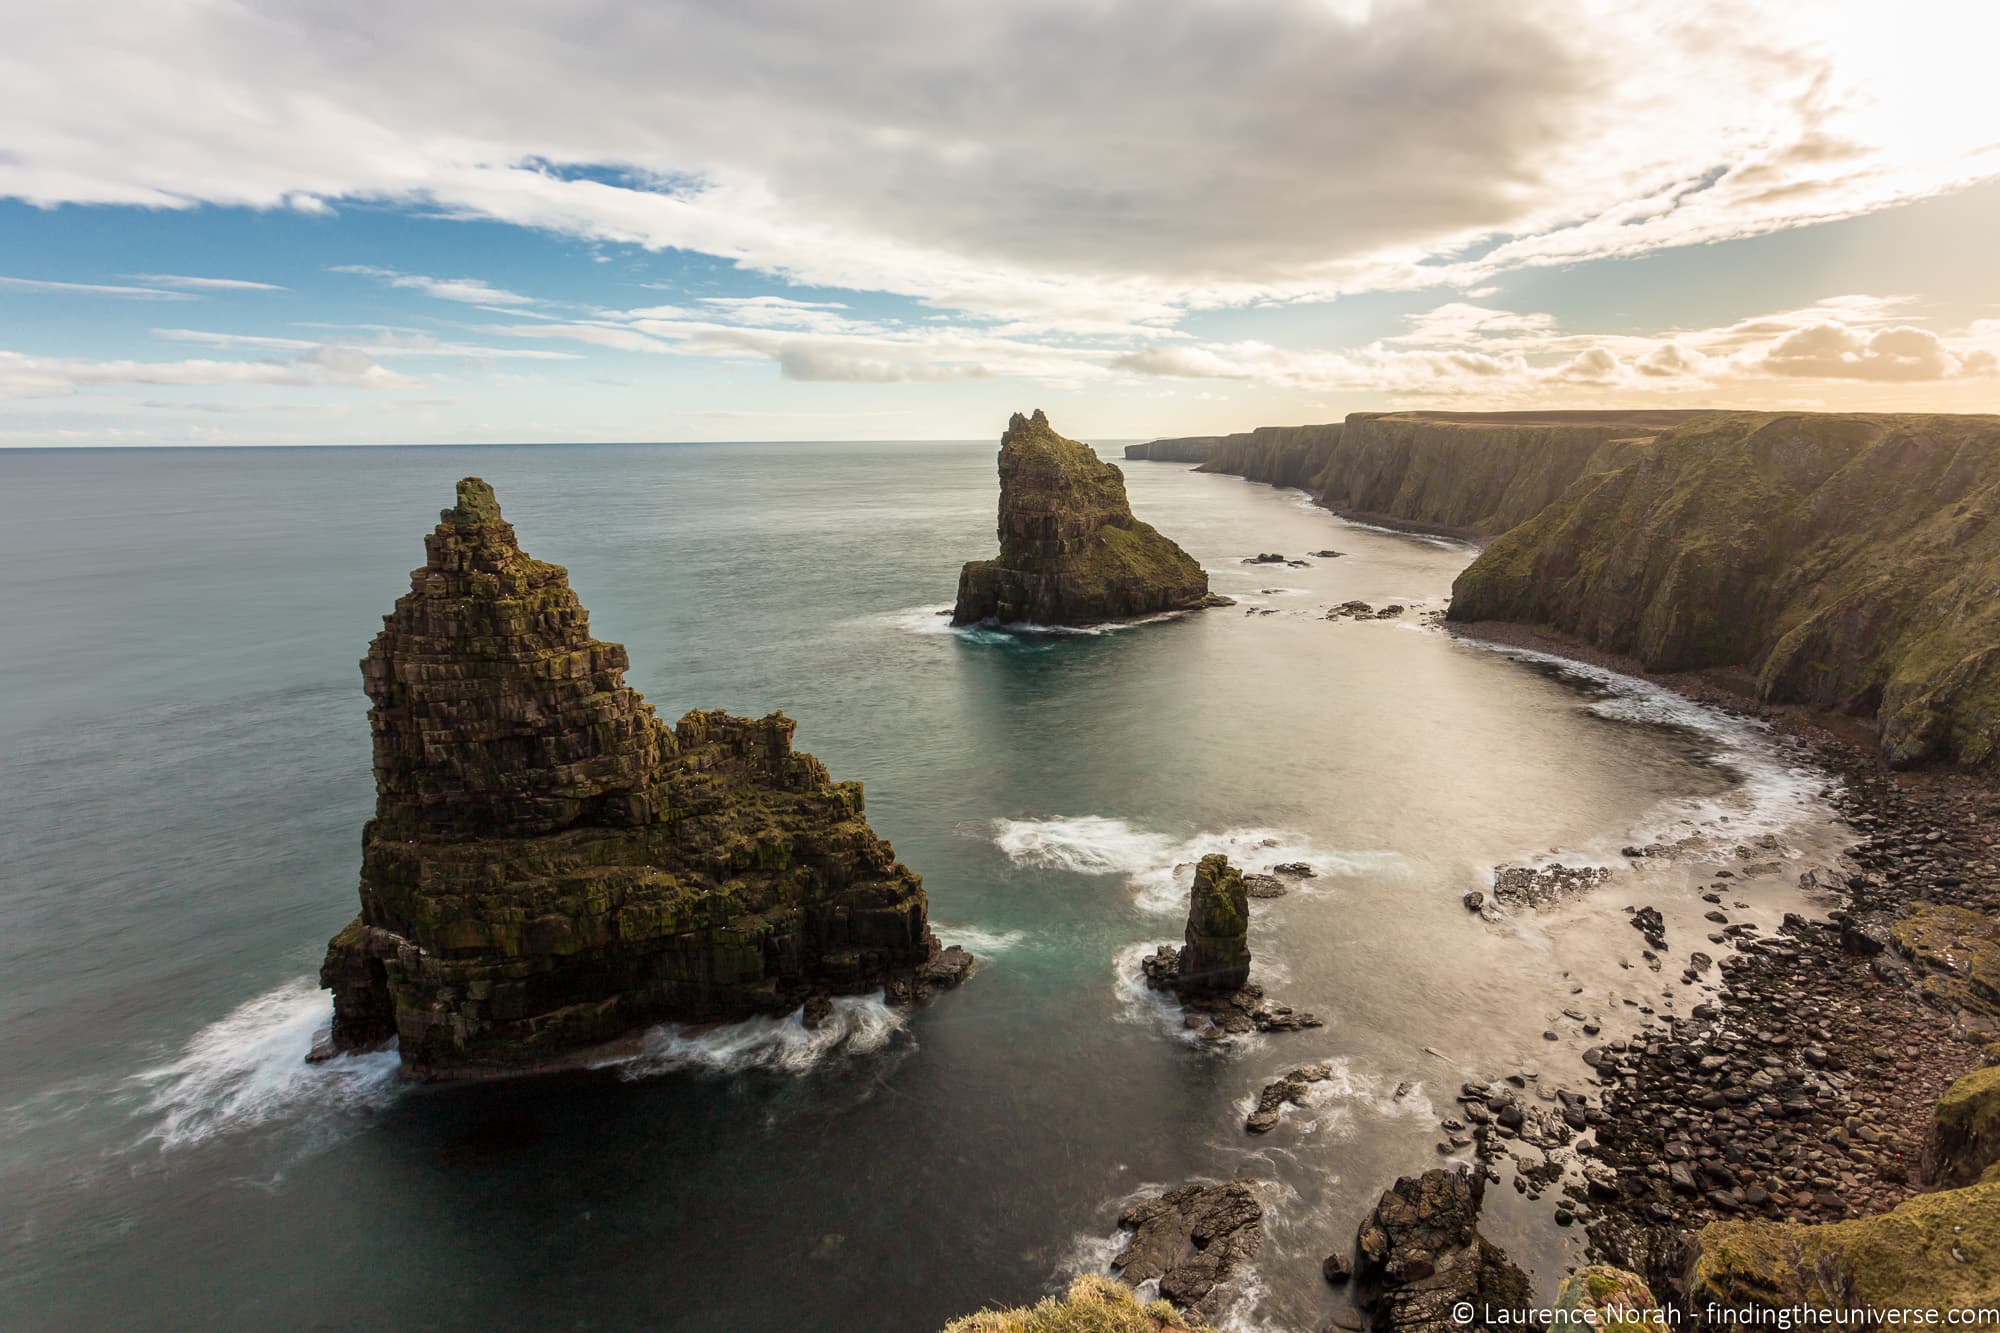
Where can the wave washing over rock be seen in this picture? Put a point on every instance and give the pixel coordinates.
(852, 1025)
(1160, 866)
(550, 866)
(249, 1069)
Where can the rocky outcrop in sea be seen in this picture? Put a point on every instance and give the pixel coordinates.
(1211, 971)
(1070, 551)
(551, 866)
(1421, 1259)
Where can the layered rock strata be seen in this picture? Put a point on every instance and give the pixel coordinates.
(551, 866)
(1191, 1241)
(1070, 551)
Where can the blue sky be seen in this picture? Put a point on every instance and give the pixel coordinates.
(258, 224)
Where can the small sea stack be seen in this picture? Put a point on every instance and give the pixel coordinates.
(551, 866)
(1070, 551)
(1211, 971)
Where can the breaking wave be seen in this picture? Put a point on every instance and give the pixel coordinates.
(1160, 866)
(857, 1026)
(250, 1069)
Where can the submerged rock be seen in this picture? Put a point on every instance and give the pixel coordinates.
(551, 866)
(1288, 1089)
(1421, 1254)
(1191, 1240)
(1070, 551)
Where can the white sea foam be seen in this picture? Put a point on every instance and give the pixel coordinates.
(981, 942)
(250, 1068)
(1160, 866)
(1335, 1107)
(857, 1026)
(1772, 795)
(928, 620)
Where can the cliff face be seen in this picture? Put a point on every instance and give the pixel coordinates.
(1848, 561)
(550, 865)
(1185, 449)
(1070, 551)
(1469, 473)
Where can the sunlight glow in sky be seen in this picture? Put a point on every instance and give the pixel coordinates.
(240, 221)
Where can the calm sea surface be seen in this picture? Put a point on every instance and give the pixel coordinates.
(186, 772)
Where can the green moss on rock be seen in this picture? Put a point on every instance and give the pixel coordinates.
(1935, 1252)
(1617, 1298)
(1070, 551)
(1965, 1130)
(551, 866)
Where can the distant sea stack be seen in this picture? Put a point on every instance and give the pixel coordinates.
(1070, 551)
(550, 866)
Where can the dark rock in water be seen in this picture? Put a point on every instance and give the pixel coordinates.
(551, 866)
(1217, 956)
(1211, 972)
(1336, 1268)
(1327, 555)
(1295, 870)
(1649, 923)
(1289, 1089)
(1070, 551)
(1544, 886)
(1421, 1254)
(1264, 886)
(1473, 899)
(1192, 1240)
(1265, 558)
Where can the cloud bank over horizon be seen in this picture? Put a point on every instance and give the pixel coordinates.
(1116, 200)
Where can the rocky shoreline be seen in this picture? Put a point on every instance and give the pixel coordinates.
(1805, 1088)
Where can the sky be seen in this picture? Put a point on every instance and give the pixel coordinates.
(243, 222)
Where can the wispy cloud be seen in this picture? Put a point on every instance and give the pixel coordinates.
(23, 376)
(93, 289)
(382, 342)
(183, 280)
(471, 291)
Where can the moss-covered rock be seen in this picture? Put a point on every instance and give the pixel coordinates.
(550, 865)
(1093, 1304)
(1936, 1252)
(1965, 1130)
(1847, 560)
(1217, 956)
(1620, 1301)
(1956, 954)
(1070, 551)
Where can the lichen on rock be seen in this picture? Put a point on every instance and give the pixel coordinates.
(1965, 1130)
(1093, 1304)
(551, 866)
(1071, 553)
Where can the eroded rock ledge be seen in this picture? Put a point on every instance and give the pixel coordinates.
(550, 866)
(1070, 551)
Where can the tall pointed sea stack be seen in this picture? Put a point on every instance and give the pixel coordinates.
(1070, 551)
(550, 866)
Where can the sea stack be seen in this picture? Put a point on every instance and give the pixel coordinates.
(1070, 551)
(550, 866)
(1217, 956)
(1211, 972)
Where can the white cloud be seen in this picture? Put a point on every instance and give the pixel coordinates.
(1090, 168)
(93, 289)
(382, 342)
(205, 284)
(471, 291)
(23, 376)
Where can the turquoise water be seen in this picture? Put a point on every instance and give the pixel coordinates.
(187, 773)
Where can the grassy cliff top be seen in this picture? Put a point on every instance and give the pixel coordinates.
(1092, 1305)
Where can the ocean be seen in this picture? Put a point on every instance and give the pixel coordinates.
(187, 771)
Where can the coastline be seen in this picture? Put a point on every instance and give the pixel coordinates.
(1820, 1017)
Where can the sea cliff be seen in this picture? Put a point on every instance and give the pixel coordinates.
(1844, 561)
